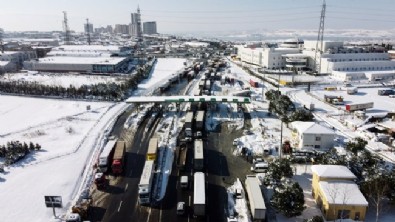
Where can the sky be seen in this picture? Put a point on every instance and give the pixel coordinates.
(188, 16)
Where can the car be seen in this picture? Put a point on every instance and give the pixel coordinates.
(238, 194)
(391, 96)
(257, 160)
(180, 208)
(236, 142)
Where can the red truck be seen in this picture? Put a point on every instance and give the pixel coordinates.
(119, 156)
(253, 83)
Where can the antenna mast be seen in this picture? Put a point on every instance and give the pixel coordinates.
(320, 38)
(66, 29)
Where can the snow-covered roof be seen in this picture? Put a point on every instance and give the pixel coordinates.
(333, 171)
(311, 128)
(82, 60)
(342, 192)
(88, 48)
(4, 63)
(390, 124)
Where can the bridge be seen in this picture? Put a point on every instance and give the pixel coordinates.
(188, 99)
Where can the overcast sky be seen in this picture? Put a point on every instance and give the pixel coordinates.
(175, 16)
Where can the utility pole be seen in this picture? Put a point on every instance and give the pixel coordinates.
(88, 31)
(320, 38)
(67, 38)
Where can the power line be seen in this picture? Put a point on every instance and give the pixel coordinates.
(227, 11)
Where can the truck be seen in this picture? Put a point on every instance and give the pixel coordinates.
(198, 158)
(385, 92)
(145, 184)
(359, 106)
(119, 157)
(351, 90)
(255, 198)
(106, 155)
(188, 124)
(181, 156)
(331, 99)
(152, 149)
(199, 194)
(254, 83)
(199, 123)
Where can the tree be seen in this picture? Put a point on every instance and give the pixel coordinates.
(288, 199)
(357, 145)
(277, 170)
(315, 219)
(301, 114)
(272, 94)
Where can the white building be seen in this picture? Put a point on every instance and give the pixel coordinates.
(78, 64)
(88, 50)
(312, 136)
(270, 58)
(13, 60)
(135, 25)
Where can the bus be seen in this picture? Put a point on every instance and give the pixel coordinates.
(145, 184)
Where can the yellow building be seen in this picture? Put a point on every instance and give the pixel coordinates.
(336, 194)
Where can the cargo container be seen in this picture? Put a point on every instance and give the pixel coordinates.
(199, 194)
(255, 198)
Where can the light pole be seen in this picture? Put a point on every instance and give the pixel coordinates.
(280, 150)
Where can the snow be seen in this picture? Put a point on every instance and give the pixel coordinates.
(333, 171)
(342, 192)
(71, 139)
(70, 136)
(61, 79)
(240, 204)
(81, 60)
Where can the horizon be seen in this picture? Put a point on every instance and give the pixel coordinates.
(203, 16)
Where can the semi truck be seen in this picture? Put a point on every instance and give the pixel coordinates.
(359, 106)
(119, 157)
(199, 194)
(199, 123)
(181, 156)
(188, 124)
(152, 149)
(106, 155)
(145, 184)
(198, 158)
(255, 198)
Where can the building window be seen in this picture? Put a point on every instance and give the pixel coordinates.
(343, 214)
(317, 138)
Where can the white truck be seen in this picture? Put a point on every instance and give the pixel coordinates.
(188, 124)
(359, 106)
(199, 123)
(198, 157)
(105, 158)
(199, 194)
(255, 198)
(145, 184)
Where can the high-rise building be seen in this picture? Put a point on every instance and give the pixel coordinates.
(88, 27)
(149, 28)
(121, 29)
(135, 26)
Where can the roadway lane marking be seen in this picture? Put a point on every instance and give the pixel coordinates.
(126, 187)
(149, 214)
(120, 204)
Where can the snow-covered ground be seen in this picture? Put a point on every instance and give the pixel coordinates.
(61, 79)
(71, 137)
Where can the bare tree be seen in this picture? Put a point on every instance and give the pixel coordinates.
(376, 190)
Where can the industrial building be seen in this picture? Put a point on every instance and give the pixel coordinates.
(88, 65)
(89, 50)
(13, 60)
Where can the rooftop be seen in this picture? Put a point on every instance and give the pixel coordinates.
(88, 48)
(82, 60)
(311, 127)
(333, 171)
(342, 192)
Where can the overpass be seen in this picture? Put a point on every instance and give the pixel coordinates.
(191, 99)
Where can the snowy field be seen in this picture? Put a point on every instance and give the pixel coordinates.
(61, 79)
(71, 137)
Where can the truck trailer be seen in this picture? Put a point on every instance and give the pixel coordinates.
(188, 124)
(199, 194)
(198, 158)
(199, 123)
(106, 156)
(145, 184)
(255, 198)
(119, 157)
(359, 106)
(181, 157)
(152, 149)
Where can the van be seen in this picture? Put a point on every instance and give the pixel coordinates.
(260, 167)
(180, 208)
(184, 182)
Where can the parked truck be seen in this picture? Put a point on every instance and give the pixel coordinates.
(255, 198)
(359, 106)
(105, 158)
(199, 194)
(182, 156)
(145, 184)
(152, 149)
(198, 157)
(351, 90)
(199, 123)
(119, 157)
(188, 124)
